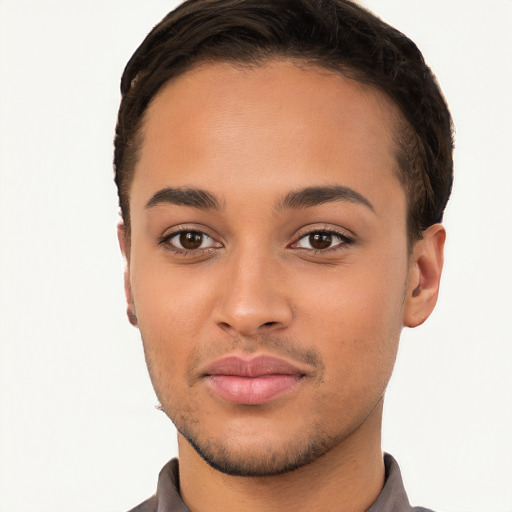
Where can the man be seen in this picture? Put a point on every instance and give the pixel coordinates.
(282, 168)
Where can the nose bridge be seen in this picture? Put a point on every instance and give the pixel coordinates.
(253, 297)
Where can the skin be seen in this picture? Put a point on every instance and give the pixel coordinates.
(256, 285)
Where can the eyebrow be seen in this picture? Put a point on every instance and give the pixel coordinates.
(315, 196)
(194, 197)
(305, 198)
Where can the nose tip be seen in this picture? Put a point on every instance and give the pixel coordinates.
(253, 302)
(248, 324)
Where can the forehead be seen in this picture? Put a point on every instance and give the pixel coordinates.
(219, 122)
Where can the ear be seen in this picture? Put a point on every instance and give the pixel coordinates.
(124, 245)
(425, 270)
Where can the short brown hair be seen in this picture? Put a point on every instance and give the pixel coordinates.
(334, 34)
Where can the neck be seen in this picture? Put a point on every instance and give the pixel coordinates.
(346, 479)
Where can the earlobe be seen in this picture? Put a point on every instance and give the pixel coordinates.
(124, 245)
(424, 276)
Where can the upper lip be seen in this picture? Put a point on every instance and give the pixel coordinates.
(254, 367)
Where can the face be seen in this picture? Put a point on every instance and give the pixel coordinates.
(268, 268)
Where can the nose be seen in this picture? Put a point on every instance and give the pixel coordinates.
(253, 298)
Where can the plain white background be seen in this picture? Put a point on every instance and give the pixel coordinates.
(78, 427)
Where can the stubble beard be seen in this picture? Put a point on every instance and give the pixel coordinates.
(250, 457)
(261, 459)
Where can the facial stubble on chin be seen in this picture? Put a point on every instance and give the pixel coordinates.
(260, 460)
(263, 459)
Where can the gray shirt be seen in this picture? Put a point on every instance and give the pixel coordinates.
(392, 498)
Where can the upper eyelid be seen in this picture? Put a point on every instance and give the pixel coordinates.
(183, 228)
(339, 231)
(174, 234)
(328, 231)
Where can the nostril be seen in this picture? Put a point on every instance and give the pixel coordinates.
(269, 324)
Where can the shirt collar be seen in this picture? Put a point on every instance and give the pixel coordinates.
(392, 498)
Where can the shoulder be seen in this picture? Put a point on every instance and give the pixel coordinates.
(393, 497)
(167, 497)
(150, 505)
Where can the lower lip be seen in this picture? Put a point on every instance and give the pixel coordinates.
(252, 390)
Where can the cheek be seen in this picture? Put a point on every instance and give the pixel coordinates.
(172, 311)
(356, 327)
(356, 298)
(355, 316)
(172, 307)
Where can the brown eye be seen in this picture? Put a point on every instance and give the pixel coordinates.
(191, 239)
(183, 241)
(320, 240)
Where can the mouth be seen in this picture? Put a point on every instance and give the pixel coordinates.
(252, 381)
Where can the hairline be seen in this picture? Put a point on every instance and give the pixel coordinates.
(260, 58)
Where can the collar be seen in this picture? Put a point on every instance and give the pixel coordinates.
(392, 498)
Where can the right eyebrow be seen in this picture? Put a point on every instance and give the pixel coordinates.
(194, 197)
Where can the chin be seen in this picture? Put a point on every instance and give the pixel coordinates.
(261, 458)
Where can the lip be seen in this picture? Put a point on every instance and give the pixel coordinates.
(252, 381)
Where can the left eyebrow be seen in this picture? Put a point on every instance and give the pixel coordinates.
(194, 197)
(315, 196)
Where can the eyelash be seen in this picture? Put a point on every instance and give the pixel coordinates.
(345, 240)
(165, 242)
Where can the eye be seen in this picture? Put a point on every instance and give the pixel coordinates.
(321, 241)
(190, 241)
